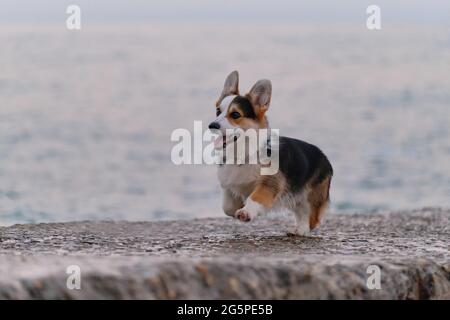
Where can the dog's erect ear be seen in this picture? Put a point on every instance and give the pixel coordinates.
(230, 87)
(260, 95)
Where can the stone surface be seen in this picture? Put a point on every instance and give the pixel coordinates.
(224, 258)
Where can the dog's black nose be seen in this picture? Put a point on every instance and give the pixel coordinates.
(214, 125)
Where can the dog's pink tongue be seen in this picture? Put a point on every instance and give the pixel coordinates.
(218, 142)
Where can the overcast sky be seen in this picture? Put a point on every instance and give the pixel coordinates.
(252, 11)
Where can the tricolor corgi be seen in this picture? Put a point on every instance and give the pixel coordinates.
(302, 183)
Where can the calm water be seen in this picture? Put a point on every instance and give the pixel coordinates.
(86, 117)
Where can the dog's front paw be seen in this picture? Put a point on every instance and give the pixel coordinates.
(299, 232)
(243, 215)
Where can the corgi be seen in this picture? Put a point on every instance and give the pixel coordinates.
(302, 183)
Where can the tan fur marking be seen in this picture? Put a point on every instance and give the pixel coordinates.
(262, 120)
(268, 189)
(318, 201)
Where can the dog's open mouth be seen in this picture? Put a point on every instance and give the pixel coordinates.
(221, 141)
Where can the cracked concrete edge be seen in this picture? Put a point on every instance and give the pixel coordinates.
(311, 277)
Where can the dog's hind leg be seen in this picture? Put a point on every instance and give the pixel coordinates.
(318, 199)
(302, 212)
(311, 207)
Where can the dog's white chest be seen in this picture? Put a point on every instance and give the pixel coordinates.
(238, 178)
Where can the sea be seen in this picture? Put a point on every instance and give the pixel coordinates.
(86, 116)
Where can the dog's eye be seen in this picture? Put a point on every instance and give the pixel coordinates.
(235, 115)
(218, 112)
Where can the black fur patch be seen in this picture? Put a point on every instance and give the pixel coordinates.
(301, 162)
(245, 106)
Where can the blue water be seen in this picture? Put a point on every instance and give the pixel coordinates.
(86, 117)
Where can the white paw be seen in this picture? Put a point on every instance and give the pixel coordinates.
(299, 231)
(250, 211)
(244, 215)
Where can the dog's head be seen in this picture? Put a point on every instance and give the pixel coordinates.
(235, 111)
